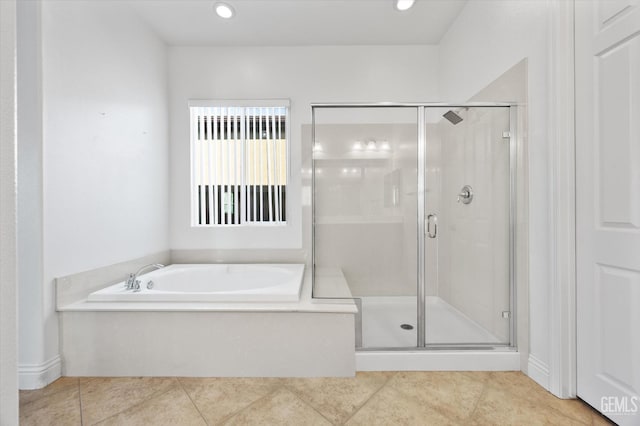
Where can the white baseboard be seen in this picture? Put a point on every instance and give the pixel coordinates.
(36, 376)
(438, 361)
(538, 371)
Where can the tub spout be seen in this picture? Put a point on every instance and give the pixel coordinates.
(133, 283)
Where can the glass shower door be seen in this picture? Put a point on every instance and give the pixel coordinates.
(365, 215)
(381, 176)
(468, 212)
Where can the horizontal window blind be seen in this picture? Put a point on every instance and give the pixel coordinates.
(239, 164)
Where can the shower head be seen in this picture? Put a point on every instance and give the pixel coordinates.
(452, 117)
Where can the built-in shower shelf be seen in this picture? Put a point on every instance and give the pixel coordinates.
(358, 220)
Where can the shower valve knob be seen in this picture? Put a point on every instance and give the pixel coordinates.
(466, 195)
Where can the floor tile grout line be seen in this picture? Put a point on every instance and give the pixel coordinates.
(192, 401)
(436, 407)
(235, 413)
(80, 401)
(154, 395)
(371, 396)
(307, 403)
(485, 385)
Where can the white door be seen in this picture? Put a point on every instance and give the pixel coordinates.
(608, 206)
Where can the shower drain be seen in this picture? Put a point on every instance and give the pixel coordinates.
(406, 326)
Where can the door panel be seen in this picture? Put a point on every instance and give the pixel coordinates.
(619, 157)
(366, 218)
(609, 11)
(608, 206)
(616, 289)
(472, 245)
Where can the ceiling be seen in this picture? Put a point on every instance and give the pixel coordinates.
(299, 22)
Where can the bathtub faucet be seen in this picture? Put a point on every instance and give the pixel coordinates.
(133, 283)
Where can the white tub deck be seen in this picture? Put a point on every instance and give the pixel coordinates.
(204, 339)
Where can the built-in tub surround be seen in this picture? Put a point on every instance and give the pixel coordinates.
(210, 283)
(302, 338)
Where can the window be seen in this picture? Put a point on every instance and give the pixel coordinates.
(239, 163)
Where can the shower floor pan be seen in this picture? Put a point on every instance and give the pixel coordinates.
(390, 322)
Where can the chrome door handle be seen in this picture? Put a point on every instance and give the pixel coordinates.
(432, 218)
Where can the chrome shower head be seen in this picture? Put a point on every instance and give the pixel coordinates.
(452, 117)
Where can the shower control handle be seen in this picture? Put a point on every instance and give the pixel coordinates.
(466, 195)
(432, 218)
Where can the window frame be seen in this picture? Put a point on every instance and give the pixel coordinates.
(236, 103)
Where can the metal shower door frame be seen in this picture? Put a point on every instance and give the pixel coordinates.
(421, 109)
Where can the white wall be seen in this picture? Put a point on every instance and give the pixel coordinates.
(302, 74)
(8, 300)
(105, 154)
(488, 38)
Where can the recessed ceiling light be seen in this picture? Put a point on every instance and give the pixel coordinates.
(403, 5)
(223, 10)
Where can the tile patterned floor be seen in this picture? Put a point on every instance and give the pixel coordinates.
(373, 398)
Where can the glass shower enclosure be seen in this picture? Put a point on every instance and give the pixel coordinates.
(413, 218)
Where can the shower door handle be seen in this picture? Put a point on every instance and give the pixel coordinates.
(432, 218)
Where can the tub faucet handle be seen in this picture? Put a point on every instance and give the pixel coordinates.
(133, 283)
(129, 283)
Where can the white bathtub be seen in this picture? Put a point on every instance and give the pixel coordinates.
(211, 283)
